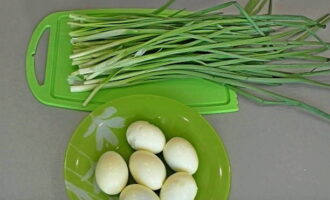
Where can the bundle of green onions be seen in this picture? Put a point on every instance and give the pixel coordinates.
(244, 52)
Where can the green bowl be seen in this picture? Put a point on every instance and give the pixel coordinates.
(104, 129)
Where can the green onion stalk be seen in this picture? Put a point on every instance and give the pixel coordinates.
(247, 52)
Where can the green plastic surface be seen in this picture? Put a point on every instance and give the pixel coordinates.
(105, 130)
(204, 96)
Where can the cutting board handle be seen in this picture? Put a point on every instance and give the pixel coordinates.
(41, 91)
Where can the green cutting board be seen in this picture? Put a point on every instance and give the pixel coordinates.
(204, 96)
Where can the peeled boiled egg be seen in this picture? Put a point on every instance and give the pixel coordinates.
(137, 192)
(142, 135)
(111, 173)
(180, 155)
(179, 186)
(147, 169)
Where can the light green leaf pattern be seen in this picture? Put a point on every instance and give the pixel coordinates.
(102, 125)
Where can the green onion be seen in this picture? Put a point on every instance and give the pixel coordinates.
(246, 52)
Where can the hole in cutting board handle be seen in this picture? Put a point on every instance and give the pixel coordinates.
(40, 57)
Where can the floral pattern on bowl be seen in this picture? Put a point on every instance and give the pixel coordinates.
(105, 129)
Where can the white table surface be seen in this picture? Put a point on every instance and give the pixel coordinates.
(275, 152)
